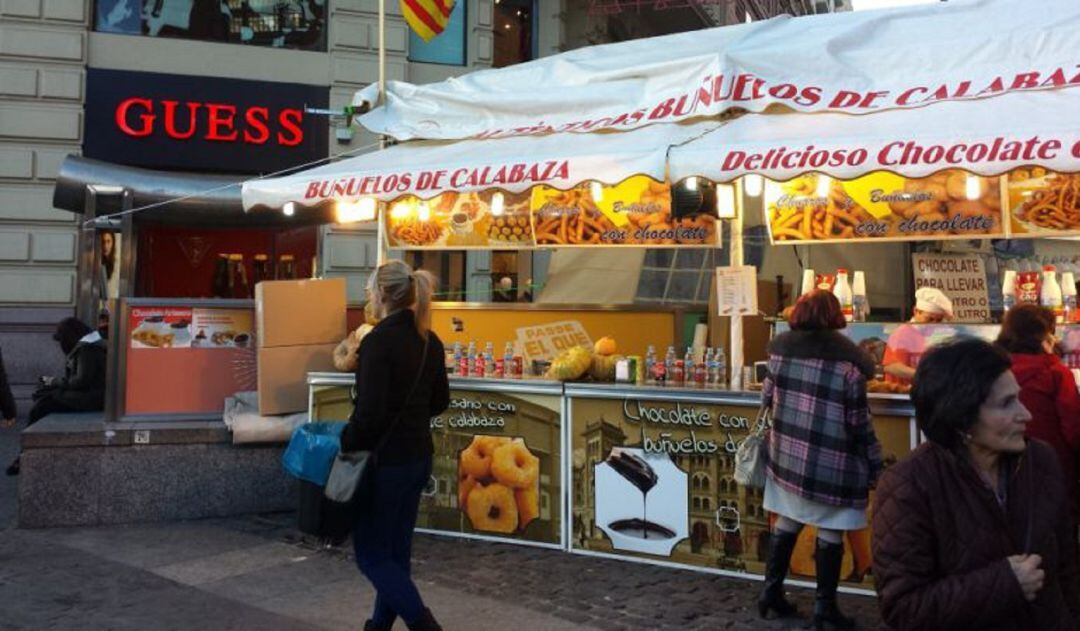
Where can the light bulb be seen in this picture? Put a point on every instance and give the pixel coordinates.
(972, 187)
(754, 185)
(424, 212)
(399, 211)
(725, 201)
(289, 209)
(691, 184)
(364, 209)
(498, 204)
(597, 191)
(823, 183)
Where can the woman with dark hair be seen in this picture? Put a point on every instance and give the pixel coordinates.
(823, 454)
(1047, 387)
(82, 388)
(972, 530)
(401, 384)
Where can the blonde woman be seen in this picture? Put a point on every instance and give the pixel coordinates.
(400, 384)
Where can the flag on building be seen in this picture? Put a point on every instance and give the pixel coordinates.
(427, 18)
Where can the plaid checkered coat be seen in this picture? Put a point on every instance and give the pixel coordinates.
(822, 446)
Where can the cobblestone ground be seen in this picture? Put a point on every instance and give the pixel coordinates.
(257, 573)
(603, 593)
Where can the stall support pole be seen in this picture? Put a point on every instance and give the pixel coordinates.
(380, 234)
(737, 259)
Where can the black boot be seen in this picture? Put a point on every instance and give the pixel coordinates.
(370, 625)
(426, 622)
(781, 544)
(828, 557)
(13, 468)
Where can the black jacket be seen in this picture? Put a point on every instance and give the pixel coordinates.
(7, 401)
(388, 363)
(83, 385)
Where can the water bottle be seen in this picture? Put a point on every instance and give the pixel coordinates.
(650, 365)
(508, 360)
(711, 368)
(465, 366)
(489, 360)
(456, 358)
(721, 367)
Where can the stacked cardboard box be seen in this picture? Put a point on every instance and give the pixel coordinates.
(299, 323)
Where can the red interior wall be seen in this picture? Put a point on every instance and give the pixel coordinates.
(179, 262)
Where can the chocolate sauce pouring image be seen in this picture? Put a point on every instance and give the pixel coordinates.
(640, 474)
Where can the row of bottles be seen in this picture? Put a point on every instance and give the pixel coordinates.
(1044, 289)
(850, 292)
(707, 370)
(231, 277)
(467, 362)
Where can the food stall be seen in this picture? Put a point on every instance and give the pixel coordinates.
(645, 471)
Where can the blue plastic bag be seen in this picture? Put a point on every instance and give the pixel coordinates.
(311, 451)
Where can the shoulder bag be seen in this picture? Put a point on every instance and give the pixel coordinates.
(753, 453)
(350, 468)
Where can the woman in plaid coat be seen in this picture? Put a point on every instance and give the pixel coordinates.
(823, 454)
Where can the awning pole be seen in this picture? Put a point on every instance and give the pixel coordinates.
(737, 259)
(381, 253)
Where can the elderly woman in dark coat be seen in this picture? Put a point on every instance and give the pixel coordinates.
(972, 530)
(823, 454)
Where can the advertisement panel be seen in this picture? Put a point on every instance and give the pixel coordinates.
(951, 204)
(185, 327)
(654, 480)
(497, 467)
(1043, 203)
(488, 219)
(961, 277)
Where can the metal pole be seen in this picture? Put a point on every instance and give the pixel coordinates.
(737, 259)
(380, 244)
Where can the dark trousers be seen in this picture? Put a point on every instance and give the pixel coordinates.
(383, 539)
(45, 406)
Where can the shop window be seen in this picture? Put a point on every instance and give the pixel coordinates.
(297, 24)
(676, 277)
(447, 266)
(515, 32)
(448, 47)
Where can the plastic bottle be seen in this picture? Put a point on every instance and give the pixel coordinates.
(721, 367)
(465, 368)
(489, 360)
(1008, 289)
(650, 364)
(1051, 296)
(1068, 294)
(456, 367)
(860, 305)
(508, 361)
(809, 281)
(842, 291)
(664, 377)
(701, 371)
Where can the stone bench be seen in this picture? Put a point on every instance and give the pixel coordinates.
(77, 470)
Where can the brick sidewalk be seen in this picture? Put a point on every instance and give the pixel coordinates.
(258, 573)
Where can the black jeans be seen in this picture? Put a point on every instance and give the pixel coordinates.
(45, 406)
(383, 537)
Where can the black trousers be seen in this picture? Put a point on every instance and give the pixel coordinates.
(45, 406)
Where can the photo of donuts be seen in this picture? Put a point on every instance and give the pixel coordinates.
(498, 484)
(641, 501)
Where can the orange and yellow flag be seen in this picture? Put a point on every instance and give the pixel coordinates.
(427, 18)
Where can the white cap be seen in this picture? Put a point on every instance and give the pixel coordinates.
(931, 300)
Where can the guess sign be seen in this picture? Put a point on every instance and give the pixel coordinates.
(206, 124)
(139, 117)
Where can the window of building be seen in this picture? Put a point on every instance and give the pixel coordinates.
(447, 47)
(276, 23)
(515, 32)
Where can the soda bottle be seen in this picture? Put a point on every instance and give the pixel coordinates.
(489, 360)
(721, 367)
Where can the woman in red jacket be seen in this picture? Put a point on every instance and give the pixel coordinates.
(1047, 388)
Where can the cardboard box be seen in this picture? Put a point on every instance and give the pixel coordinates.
(283, 376)
(300, 312)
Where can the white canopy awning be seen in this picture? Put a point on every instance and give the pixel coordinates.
(986, 136)
(858, 62)
(426, 169)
